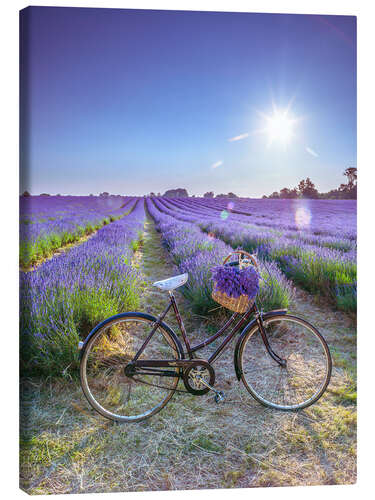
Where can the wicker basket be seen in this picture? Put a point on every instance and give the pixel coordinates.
(237, 304)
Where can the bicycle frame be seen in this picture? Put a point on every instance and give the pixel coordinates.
(192, 349)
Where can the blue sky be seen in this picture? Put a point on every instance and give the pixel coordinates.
(133, 101)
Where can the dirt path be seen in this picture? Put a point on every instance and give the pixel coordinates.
(193, 442)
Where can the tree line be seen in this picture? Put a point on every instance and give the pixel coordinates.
(306, 189)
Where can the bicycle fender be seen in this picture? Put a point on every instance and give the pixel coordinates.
(270, 314)
(132, 315)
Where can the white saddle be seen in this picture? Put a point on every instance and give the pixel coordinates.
(172, 283)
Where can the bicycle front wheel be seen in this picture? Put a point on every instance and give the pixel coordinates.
(106, 385)
(307, 371)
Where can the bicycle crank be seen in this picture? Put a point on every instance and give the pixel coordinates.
(219, 395)
(199, 377)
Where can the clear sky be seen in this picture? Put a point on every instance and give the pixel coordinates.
(133, 101)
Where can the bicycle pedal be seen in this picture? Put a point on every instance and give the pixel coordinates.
(219, 397)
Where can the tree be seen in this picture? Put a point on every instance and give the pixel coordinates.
(104, 194)
(288, 193)
(351, 174)
(307, 189)
(349, 190)
(301, 187)
(26, 193)
(229, 195)
(176, 193)
(45, 194)
(209, 194)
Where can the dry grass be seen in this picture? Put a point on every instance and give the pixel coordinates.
(193, 443)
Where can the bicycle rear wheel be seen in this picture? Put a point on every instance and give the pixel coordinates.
(306, 375)
(105, 384)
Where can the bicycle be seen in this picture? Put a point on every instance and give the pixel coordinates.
(131, 363)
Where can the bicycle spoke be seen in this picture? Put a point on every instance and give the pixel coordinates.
(307, 365)
(108, 387)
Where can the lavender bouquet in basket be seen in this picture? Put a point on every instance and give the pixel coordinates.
(236, 282)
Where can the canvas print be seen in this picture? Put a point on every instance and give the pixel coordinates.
(188, 285)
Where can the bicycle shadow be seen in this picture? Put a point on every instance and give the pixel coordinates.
(307, 423)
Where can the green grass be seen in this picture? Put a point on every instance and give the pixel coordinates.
(49, 337)
(206, 443)
(31, 253)
(333, 278)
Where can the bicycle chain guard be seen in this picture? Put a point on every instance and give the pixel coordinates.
(192, 371)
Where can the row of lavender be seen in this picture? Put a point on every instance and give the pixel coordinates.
(320, 217)
(196, 252)
(48, 223)
(329, 236)
(323, 264)
(67, 295)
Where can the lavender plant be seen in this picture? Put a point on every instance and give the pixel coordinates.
(66, 296)
(236, 282)
(320, 256)
(48, 223)
(196, 252)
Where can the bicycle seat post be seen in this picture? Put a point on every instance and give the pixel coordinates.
(180, 324)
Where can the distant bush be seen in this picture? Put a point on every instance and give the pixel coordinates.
(229, 195)
(176, 193)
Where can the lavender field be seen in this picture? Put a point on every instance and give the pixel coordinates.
(68, 294)
(50, 222)
(86, 258)
(307, 243)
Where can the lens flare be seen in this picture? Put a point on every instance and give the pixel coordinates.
(302, 218)
(230, 206)
(224, 215)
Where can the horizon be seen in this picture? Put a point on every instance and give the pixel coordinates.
(143, 100)
(190, 195)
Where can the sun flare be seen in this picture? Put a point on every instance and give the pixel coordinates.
(279, 127)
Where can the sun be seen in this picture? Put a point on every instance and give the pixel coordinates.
(279, 127)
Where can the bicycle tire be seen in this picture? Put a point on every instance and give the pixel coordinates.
(261, 375)
(105, 354)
